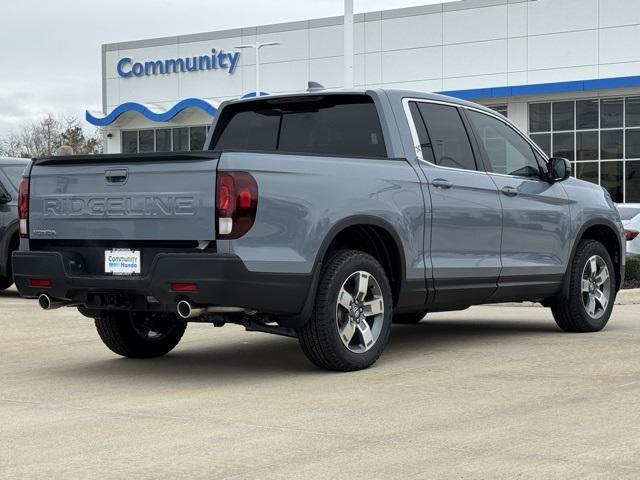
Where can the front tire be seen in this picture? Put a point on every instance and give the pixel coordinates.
(139, 335)
(351, 320)
(592, 290)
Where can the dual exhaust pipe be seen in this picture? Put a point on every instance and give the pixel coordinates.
(184, 308)
(48, 303)
(188, 311)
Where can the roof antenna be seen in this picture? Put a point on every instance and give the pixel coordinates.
(314, 86)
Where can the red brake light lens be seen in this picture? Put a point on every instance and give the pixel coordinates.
(184, 287)
(23, 207)
(40, 282)
(236, 204)
(631, 234)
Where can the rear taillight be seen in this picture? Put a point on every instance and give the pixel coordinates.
(631, 234)
(23, 207)
(236, 204)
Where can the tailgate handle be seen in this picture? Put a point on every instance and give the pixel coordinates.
(116, 175)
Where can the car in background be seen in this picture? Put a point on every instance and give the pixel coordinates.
(11, 170)
(630, 216)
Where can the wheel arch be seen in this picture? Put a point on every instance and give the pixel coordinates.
(372, 235)
(607, 233)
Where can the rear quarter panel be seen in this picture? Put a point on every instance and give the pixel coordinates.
(302, 198)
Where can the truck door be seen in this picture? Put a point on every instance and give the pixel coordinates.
(466, 221)
(536, 217)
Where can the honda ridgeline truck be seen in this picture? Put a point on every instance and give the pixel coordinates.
(324, 216)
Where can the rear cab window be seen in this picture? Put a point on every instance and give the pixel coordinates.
(336, 125)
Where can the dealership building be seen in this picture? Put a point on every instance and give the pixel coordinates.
(567, 72)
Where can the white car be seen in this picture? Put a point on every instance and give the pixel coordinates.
(630, 216)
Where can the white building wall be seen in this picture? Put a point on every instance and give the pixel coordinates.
(454, 46)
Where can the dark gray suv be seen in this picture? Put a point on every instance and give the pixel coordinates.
(10, 174)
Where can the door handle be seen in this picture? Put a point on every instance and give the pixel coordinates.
(118, 175)
(509, 191)
(441, 183)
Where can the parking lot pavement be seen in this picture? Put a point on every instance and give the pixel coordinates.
(492, 392)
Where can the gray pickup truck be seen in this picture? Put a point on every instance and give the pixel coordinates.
(324, 216)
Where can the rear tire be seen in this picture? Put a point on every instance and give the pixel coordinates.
(351, 319)
(592, 290)
(410, 318)
(6, 282)
(139, 335)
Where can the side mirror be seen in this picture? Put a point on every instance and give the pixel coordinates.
(559, 169)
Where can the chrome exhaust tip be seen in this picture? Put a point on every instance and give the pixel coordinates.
(187, 311)
(47, 303)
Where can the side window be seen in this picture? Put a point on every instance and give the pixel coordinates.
(423, 135)
(448, 143)
(508, 153)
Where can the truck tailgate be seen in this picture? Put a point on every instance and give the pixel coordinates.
(120, 197)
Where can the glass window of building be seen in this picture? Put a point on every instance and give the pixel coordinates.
(587, 145)
(146, 139)
(563, 145)
(197, 136)
(611, 110)
(601, 137)
(586, 114)
(540, 117)
(563, 116)
(130, 141)
(633, 112)
(180, 139)
(632, 185)
(163, 140)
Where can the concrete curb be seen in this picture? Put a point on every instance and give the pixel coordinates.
(625, 297)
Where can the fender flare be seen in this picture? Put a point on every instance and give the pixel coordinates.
(302, 317)
(600, 221)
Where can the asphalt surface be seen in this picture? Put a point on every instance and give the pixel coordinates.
(491, 392)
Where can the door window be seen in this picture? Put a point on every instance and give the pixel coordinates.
(442, 136)
(508, 153)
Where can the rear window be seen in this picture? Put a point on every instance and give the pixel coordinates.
(345, 125)
(627, 213)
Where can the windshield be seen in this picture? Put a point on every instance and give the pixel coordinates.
(14, 174)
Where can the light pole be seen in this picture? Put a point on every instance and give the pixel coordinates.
(257, 46)
(348, 44)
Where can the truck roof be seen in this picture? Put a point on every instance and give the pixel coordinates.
(392, 93)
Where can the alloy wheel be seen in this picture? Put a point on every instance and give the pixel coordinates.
(596, 287)
(360, 312)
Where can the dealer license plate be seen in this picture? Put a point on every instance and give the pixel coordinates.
(122, 261)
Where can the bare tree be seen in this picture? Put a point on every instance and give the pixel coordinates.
(42, 138)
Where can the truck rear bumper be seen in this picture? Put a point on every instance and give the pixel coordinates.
(221, 280)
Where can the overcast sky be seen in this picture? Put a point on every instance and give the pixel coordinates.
(50, 50)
